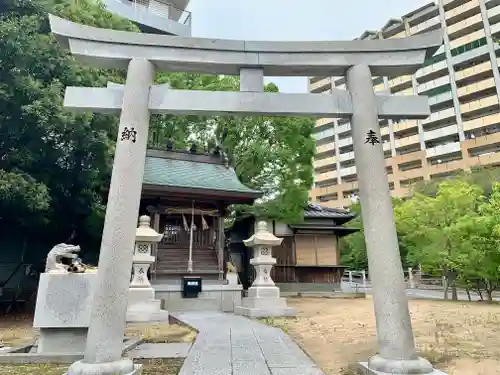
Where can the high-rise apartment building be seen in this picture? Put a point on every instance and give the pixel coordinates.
(154, 16)
(462, 81)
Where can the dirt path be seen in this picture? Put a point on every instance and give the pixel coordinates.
(458, 337)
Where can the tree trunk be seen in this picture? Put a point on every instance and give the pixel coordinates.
(454, 294)
(445, 280)
(489, 290)
(467, 290)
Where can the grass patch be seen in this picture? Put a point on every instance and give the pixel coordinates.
(151, 367)
(161, 366)
(33, 369)
(161, 333)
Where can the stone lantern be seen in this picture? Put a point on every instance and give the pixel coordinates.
(263, 296)
(142, 305)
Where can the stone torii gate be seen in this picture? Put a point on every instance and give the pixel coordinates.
(144, 54)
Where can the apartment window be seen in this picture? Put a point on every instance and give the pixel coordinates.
(387, 154)
(435, 59)
(485, 150)
(437, 90)
(350, 193)
(389, 169)
(492, 129)
(325, 184)
(329, 197)
(468, 47)
(410, 165)
(378, 81)
(391, 185)
(411, 181)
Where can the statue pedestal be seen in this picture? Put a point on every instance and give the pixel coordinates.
(62, 311)
(263, 296)
(143, 307)
(264, 302)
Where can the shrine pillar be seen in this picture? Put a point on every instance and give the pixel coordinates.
(394, 330)
(103, 354)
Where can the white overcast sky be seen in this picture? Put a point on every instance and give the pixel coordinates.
(294, 20)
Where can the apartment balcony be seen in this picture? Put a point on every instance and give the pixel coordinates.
(440, 98)
(345, 157)
(349, 171)
(445, 114)
(462, 11)
(467, 38)
(429, 25)
(325, 148)
(329, 190)
(326, 176)
(473, 70)
(321, 85)
(320, 163)
(435, 69)
(470, 55)
(466, 26)
(445, 149)
(324, 121)
(476, 87)
(494, 14)
(344, 142)
(386, 146)
(404, 125)
(323, 134)
(438, 82)
(400, 82)
(441, 132)
(384, 130)
(482, 122)
(407, 141)
(344, 128)
(153, 16)
(480, 104)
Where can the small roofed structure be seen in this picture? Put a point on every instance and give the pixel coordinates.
(309, 256)
(188, 194)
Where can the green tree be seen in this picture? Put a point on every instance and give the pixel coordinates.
(52, 163)
(353, 246)
(272, 154)
(432, 228)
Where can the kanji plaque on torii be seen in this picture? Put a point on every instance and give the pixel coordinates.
(144, 54)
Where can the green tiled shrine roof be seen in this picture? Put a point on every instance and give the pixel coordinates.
(193, 174)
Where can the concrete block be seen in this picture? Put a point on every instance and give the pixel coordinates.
(64, 300)
(365, 370)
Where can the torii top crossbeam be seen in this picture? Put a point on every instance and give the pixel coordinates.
(115, 49)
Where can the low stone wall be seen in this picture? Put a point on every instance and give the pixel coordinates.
(307, 287)
(212, 298)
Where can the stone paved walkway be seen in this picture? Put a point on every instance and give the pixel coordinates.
(234, 345)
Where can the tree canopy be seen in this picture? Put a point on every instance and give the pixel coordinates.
(451, 230)
(54, 164)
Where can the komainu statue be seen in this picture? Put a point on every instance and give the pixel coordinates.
(63, 259)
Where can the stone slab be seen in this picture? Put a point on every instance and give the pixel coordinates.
(297, 371)
(137, 370)
(62, 340)
(64, 300)
(138, 316)
(152, 351)
(261, 313)
(365, 370)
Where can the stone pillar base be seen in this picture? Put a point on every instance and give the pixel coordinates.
(122, 367)
(142, 307)
(378, 365)
(264, 307)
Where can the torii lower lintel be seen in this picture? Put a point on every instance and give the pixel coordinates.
(219, 103)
